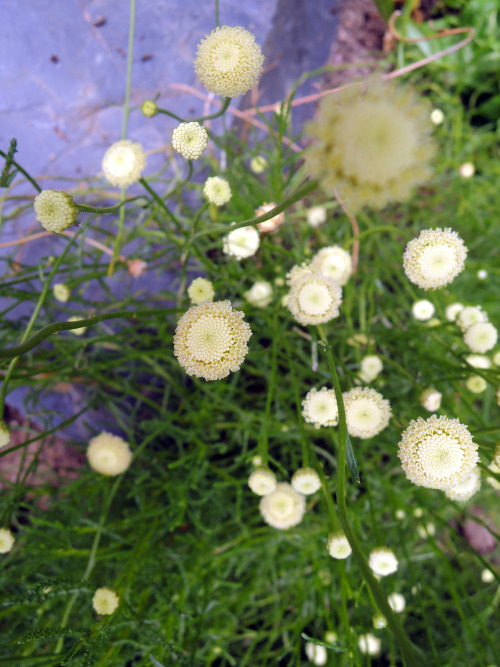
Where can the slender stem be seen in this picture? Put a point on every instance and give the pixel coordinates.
(126, 104)
(162, 204)
(23, 172)
(217, 15)
(31, 323)
(407, 648)
(84, 208)
(301, 192)
(221, 112)
(263, 448)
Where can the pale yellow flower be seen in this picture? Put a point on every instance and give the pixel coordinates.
(434, 258)
(470, 315)
(314, 299)
(260, 294)
(396, 602)
(481, 337)
(6, 540)
(334, 262)
(423, 310)
(383, 561)
(476, 384)
(283, 507)
(123, 163)
(61, 292)
(320, 407)
(190, 140)
(316, 216)
(4, 434)
(258, 164)
(430, 399)
(217, 190)
(55, 210)
(466, 489)
(201, 290)
(367, 412)
(306, 481)
(241, 243)
(338, 545)
(369, 644)
(316, 653)
(109, 454)
(105, 601)
(262, 481)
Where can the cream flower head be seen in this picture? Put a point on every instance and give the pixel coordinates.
(241, 243)
(423, 310)
(123, 163)
(338, 545)
(149, 108)
(466, 489)
(373, 147)
(61, 292)
(437, 452)
(476, 384)
(190, 140)
(306, 481)
(430, 399)
(369, 644)
(271, 224)
(6, 540)
(258, 164)
(367, 412)
(396, 602)
(211, 340)
(55, 210)
(470, 315)
(260, 294)
(314, 299)
(262, 481)
(379, 621)
(283, 507)
(434, 258)
(487, 576)
(320, 408)
(4, 434)
(316, 653)
(383, 561)
(109, 454)
(316, 216)
(481, 337)
(105, 601)
(79, 331)
(371, 366)
(478, 361)
(452, 311)
(201, 290)
(334, 262)
(298, 271)
(437, 116)
(217, 190)
(228, 61)
(467, 170)
(495, 469)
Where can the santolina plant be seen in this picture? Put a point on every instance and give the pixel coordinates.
(258, 453)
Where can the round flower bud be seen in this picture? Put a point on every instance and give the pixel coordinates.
(487, 576)
(283, 507)
(334, 262)
(372, 147)
(258, 164)
(79, 331)
(369, 644)
(470, 315)
(149, 108)
(136, 267)
(61, 292)
(201, 290)
(257, 460)
(383, 561)
(316, 653)
(123, 163)
(379, 621)
(262, 481)
(434, 258)
(467, 170)
(396, 602)
(493, 481)
(400, 514)
(466, 489)
(228, 61)
(4, 434)
(306, 481)
(314, 299)
(271, 224)
(437, 116)
(418, 512)
(241, 243)
(109, 454)
(279, 281)
(331, 637)
(423, 310)
(482, 274)
(6, 540)
(260, 294)
(190, 140)
(320, 408)
(367, 412)
(217, 190)
(426, 531)
(430, 399)
(316, 216)
(371, 366)
(452, 311)
(105, 601)
(496, 358)
(338, 545)
(211, 340)
(476, 384)
(478, 361)
(55, 210)
(481, 337)
(437, 452)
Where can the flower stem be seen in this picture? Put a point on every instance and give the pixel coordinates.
(222, 110)
(23, 172)
(162, 204)
(84, 208)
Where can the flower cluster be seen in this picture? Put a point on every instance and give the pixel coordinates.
(211, 340)
(228, 61)
(320, 407)
(55, 210)
(434, 258)
(373, 147)
(123, 163)
(190, 140)
(437, 452)
(367, 412)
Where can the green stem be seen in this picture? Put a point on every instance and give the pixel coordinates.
(222, 110)
(264, 448)
(56, 327)
(126, 104)
(84, 208)
(162, 204)
(23, 172)
(373, 230)
(31, 323)
(300, 193)
(407, 648)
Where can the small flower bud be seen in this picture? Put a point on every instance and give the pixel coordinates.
(55, 210)
(149, 108)
(105, 601)
(61, 292)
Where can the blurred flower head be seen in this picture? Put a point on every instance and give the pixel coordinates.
(123, 163)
